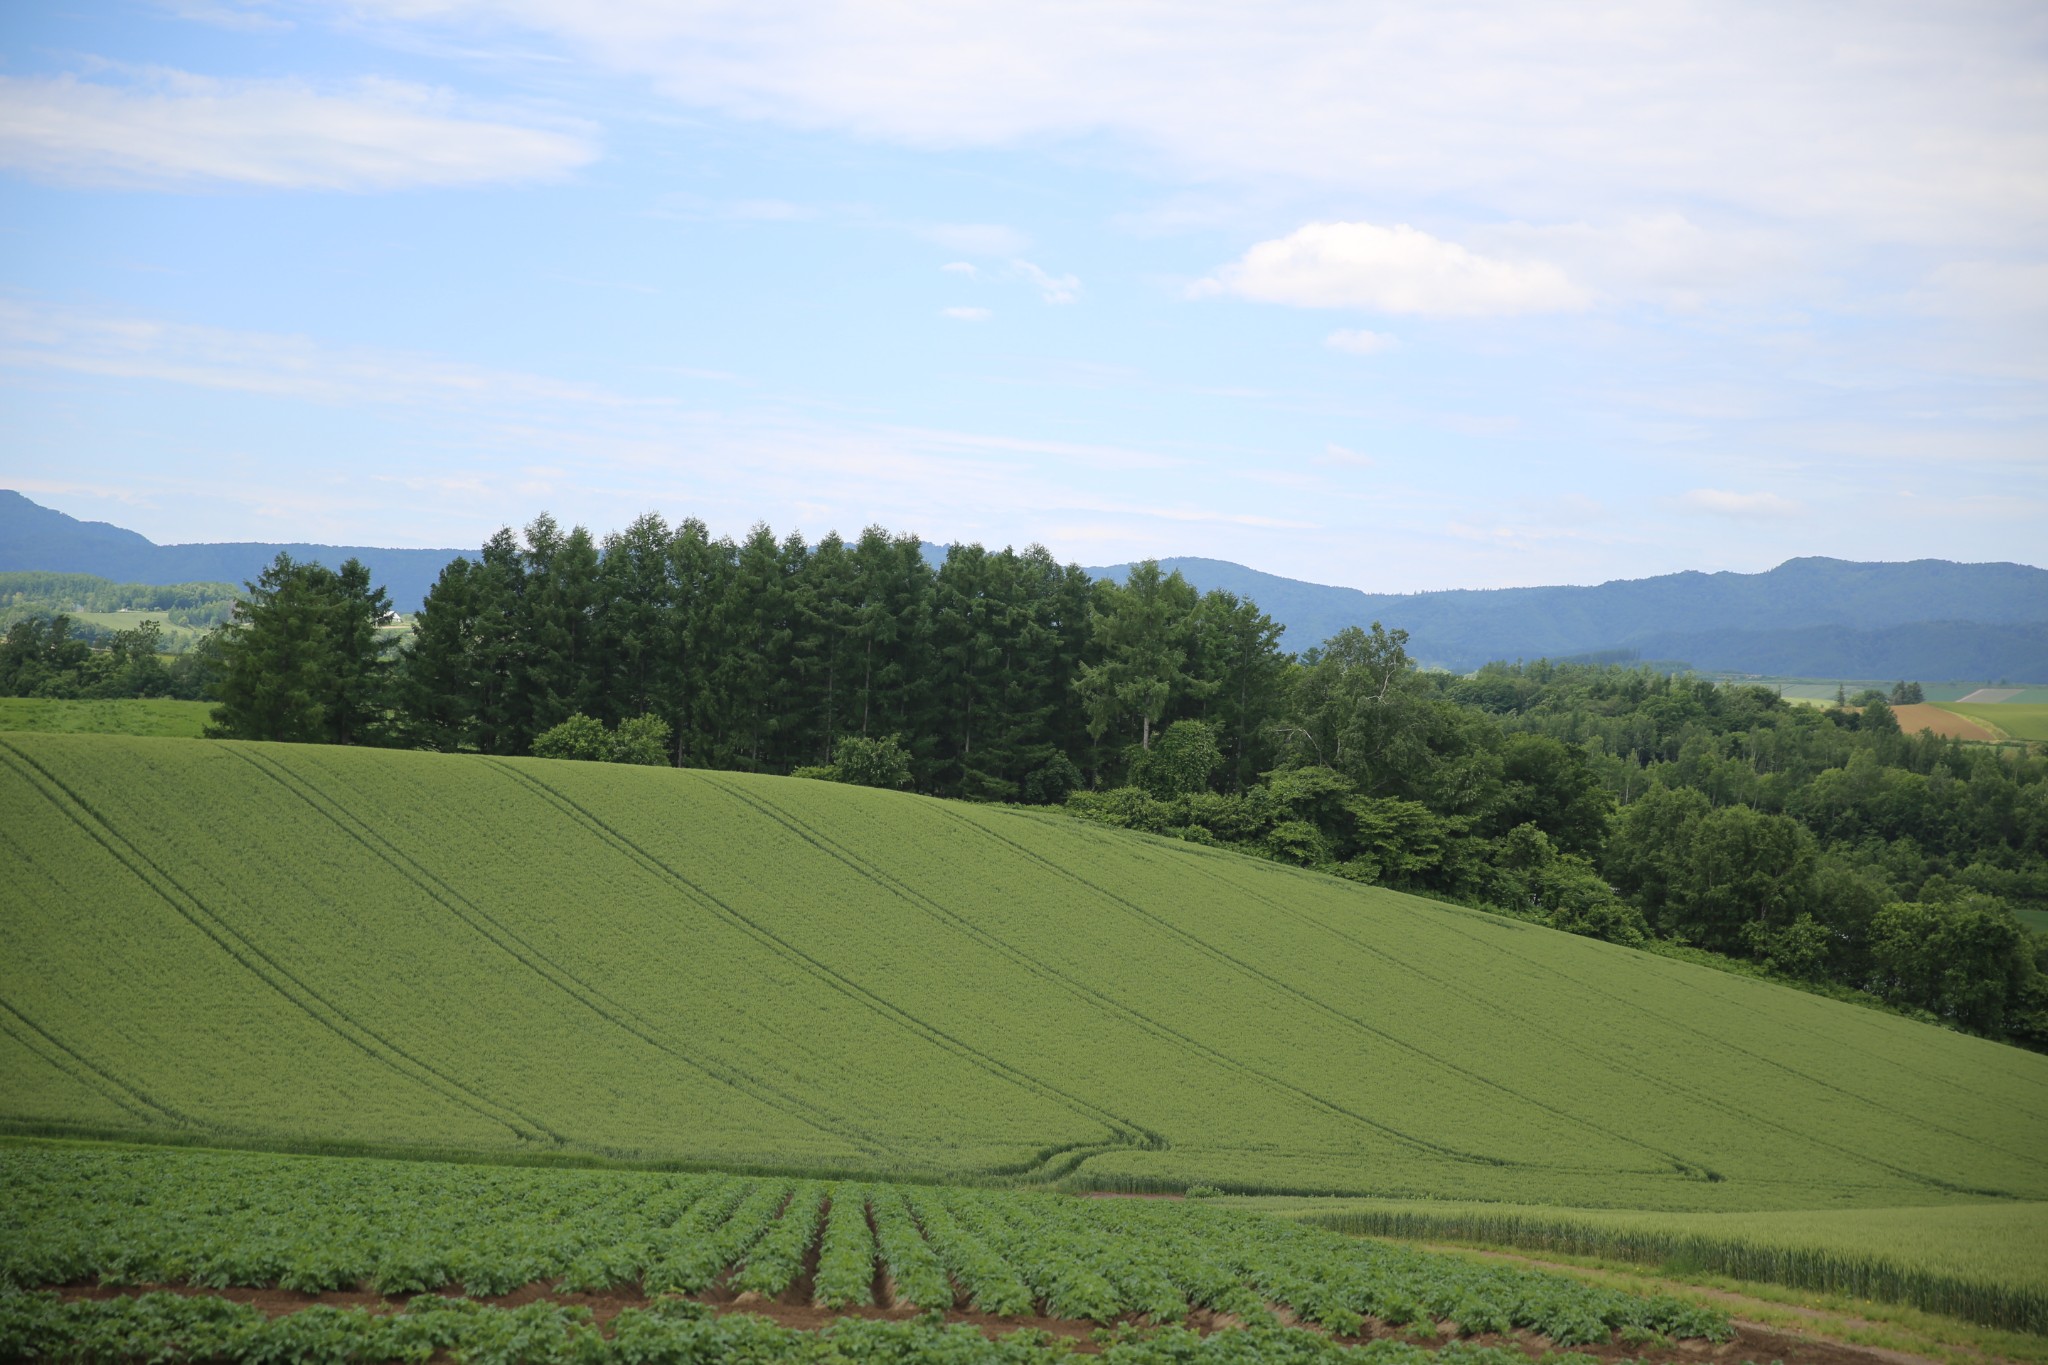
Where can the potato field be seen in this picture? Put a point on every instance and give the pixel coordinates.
(310, 1224)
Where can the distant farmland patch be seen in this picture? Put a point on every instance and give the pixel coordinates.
(149, 716)
(2014, 720)
(1942, 720)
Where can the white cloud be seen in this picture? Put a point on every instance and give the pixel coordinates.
(36, 337)
(1987, 290)
(173, 128)
(974, 239)
(1925, 122)
(966, 268)
(1721, 502)
(966, 314)
(1664, 257)
(1360, 342)
(1391, 270)
(1051, 288)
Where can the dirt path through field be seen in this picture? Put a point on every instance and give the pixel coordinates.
(1752, 1341)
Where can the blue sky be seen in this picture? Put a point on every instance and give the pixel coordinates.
(1393, 296)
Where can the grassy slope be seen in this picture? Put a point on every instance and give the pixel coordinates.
(277, 943)
(2016, 719)
(127, 716)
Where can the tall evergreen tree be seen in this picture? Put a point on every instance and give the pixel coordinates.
(1141, 639)
(304, 660)
(1236, 653)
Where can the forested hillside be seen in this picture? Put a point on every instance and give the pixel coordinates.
(1825, 847)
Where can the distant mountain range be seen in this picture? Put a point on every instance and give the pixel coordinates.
(37, 537)
(1929, 619)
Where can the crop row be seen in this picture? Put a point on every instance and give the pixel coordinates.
(1981, 1262)
(148, 1217)
(172, 1329)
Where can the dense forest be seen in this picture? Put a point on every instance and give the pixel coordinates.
(1821, 846)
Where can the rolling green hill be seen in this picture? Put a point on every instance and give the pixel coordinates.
(295, 944)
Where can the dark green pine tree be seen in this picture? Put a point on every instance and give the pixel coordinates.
(304, 661)
(1235, 652)
(970, 617)
(893, 641)
(503, 719)
(1138, 665)
(360, 682)
(561, 675)
(686, 691)
(441, 683)
(826, 648)
(752, 676)
(636, 620)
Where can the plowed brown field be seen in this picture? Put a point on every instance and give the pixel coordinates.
(1927, 716)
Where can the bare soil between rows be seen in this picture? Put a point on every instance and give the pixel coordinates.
(1752, 1342)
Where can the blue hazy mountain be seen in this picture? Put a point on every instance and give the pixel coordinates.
(38, 538)
(1814, 617)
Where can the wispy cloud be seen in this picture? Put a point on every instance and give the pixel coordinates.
(171, 128)
(1360, 342)
(966, 314)
(1929, 124)
(974, 239)
(1723, 502)
(1051, 288)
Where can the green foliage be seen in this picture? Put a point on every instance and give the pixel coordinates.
(303, 659)
(1181, 762)
(55, 658)
(872, 762)
(589, 961)
(640, 740)
(1966, 960)
(1141, 642)
(580, 737)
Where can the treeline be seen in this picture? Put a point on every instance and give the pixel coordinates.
(26, 593)
(1823, 846)
(50, 656)
(47, 652)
